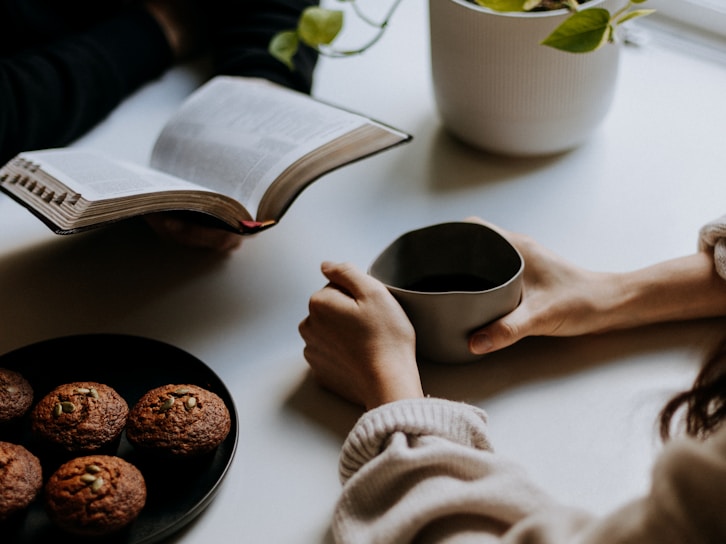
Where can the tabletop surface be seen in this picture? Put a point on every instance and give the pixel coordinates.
(578, 413)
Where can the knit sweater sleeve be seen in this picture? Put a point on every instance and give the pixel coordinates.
(712, 237)
(54, 93)
(423, 470)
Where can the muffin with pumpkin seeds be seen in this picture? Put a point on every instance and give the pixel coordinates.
(178, 421)
(80, 417)
(21, 479)
(95, 495)
(16, 396)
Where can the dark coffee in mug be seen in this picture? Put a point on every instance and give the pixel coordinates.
(450, 279)
(443, 283)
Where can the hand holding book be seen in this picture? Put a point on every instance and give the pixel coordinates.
(186, 231)
(238, 150)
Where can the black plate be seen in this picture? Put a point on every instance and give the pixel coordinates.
(176, 493)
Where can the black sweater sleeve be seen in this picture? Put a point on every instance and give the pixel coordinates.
(241, 31)
(53, 93)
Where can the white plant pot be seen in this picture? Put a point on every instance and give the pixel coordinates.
(497, 88)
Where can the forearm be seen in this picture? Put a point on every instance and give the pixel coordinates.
(52, 95)
(562, 299)
(242, 31)
(37, 22)
(679, 289)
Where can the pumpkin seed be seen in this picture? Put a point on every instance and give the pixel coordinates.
(168, 403)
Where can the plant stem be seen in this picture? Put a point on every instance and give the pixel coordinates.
(573, 5)
(363, 17)
(332, 52)
(615, 16)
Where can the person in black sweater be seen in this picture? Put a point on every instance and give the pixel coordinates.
(64, 66)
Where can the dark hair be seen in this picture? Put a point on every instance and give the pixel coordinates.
(704, 403)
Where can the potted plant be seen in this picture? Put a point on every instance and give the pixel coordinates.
(509, 76)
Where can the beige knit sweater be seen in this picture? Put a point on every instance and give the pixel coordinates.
(423, 471)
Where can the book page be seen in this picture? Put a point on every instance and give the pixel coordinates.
(236, 135)
(98, 177)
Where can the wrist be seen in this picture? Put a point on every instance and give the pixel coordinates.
(394, 395)
(179, 23)
(678, 289)
(628, 301)
(397, 387)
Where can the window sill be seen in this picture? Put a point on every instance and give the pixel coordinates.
(673, 33)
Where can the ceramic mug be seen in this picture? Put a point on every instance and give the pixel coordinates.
(450, 279)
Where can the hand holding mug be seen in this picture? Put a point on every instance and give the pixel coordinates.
(451, 279)
(359, 342)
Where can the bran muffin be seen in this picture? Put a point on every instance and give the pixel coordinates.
(21, 478)
(95, 495)
(178, 421)
(80, 417)
(16, 395)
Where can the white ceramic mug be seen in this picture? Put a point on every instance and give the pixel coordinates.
(450, 279)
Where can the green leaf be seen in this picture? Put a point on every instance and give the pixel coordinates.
(635, 13)
(319, 26)
(502, 5)
(283, 47)
(581, 32)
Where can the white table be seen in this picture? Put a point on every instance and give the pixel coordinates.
(578, 413)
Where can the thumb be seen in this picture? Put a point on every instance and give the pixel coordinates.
(497, 335)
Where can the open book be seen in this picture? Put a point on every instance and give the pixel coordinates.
(238, 149)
